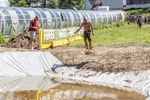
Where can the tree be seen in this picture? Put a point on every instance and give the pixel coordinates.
(27, 3)
(53, 4)
(18, 3)
(22, 3)
(69, 4)
(61, 4)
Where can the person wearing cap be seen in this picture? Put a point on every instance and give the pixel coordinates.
(33, 30)
(88, 30)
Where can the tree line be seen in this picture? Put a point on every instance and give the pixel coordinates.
(54, 4)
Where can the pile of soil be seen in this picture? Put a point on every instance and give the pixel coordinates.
(21, 41)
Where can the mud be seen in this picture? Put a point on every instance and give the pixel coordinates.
(106, 59)
(73, 92)
(21, 41)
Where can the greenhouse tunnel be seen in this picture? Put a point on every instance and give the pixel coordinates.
(16, 19)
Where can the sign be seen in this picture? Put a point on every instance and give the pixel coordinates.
(55, 37)
(48, 35)
(51, 34)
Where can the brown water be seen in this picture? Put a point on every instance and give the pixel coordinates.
(72, 92)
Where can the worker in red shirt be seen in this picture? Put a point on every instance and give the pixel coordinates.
(33, 30)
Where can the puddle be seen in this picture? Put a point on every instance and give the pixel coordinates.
(47, 88)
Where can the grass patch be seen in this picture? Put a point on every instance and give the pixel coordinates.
(125, 35)
(140, 11)
(2, 39)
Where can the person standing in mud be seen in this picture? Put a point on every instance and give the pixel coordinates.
(88, 30)
(139, 21)
(33, 30)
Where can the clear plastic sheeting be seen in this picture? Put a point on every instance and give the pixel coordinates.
(17, 19)
(27, 63)
(4, 3)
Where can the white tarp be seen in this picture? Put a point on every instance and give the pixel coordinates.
(8, 84)
(4, 3)
(41, 63)
(27, 63)
(131, 81)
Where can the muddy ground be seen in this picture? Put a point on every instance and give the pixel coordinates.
(116, 59)
(104, 58)
(111, 59)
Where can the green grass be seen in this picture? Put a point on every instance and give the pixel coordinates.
(140, 11)
(124, 35)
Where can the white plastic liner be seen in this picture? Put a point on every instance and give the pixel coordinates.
(27, 63)
(24, 83)
(40, 63)
(131, 81)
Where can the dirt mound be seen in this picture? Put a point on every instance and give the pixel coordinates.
(21, 41)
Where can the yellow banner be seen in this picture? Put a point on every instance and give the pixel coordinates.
(52, 38)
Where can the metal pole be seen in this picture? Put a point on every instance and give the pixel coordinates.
(45, 3)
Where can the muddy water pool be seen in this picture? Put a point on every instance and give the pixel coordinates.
(46, 88)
